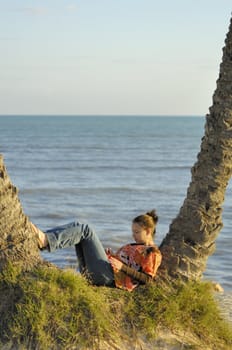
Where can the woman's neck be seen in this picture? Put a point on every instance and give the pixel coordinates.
(149, 242)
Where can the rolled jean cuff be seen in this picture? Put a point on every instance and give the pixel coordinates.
(52, 241)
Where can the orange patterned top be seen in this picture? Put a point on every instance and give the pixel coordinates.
(139, 257)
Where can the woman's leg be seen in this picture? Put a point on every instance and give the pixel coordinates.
(93, 258)
(80, 258)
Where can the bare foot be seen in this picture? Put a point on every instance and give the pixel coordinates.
(41, 237)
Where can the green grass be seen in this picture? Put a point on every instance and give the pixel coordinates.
(189, 308)
(53, 309)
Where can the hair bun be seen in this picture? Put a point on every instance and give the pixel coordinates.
(153, 214)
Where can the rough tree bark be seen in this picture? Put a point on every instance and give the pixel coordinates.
(191, 237)
(17, 241)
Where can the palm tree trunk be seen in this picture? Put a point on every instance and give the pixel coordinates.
(17, 241)
(191, 237)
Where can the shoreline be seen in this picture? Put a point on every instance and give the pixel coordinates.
(224, 300)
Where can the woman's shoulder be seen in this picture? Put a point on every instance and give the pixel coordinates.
(140, 247)
(152, 249)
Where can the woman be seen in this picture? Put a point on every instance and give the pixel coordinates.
(132, 264)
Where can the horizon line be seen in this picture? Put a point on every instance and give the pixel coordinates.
(102, 115)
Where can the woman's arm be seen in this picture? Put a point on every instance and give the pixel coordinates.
(139, 276)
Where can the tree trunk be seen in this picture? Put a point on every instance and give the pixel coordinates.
(18, 243)
(191, 237)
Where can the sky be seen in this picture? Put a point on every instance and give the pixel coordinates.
(110, 57)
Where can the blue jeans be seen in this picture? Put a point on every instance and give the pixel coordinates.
(90, 253)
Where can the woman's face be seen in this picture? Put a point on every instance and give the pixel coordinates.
(141, 234)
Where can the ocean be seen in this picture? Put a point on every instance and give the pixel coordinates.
(105, 170)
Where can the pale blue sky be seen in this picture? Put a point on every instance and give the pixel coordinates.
(110, 56)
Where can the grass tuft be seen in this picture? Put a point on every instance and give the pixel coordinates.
(50, 308)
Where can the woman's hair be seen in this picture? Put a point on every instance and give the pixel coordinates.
(148, 220)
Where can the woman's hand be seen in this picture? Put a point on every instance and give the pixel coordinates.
(116, 264)
(109, 251)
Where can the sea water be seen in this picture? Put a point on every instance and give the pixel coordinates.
(105, 170)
